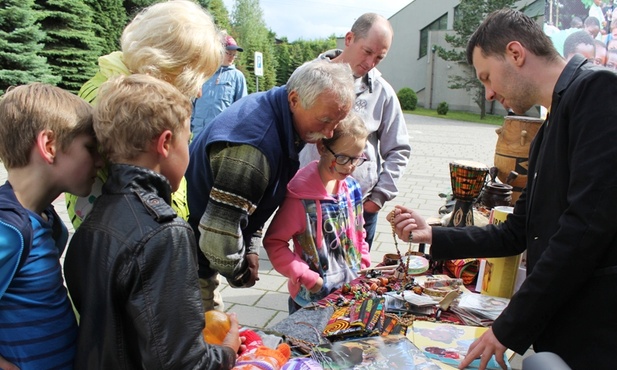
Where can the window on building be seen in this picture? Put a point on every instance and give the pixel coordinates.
(458, 15)
(440, 23)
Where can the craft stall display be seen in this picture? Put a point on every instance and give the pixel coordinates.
(379, 309)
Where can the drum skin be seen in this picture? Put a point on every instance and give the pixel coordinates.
(512, 149)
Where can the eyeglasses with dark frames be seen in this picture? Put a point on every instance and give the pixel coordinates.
(342, 159)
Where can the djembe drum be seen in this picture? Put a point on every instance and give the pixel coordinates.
(467, 181)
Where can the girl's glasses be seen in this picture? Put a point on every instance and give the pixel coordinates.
(342, 159)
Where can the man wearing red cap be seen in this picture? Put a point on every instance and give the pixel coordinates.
(226, 86)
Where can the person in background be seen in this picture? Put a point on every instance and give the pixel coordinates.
(131, 267)
(611, 59)
(241, 163)
(227, 86)
(558, 38)
(595, 10)
(47, 145)
(564, 218)
(175, 41)
(600, 54)
(592, 26)
(387, 148)
(580, 42)
(322, 213)
(612, 35)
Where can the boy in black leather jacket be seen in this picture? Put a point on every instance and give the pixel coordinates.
(131, 267)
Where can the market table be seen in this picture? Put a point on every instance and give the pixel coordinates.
(354, 312)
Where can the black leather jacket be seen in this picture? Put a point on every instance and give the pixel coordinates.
(131, 270)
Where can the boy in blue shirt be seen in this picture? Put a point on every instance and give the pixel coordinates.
(47, 145)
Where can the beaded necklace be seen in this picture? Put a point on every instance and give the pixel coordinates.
(402, 271)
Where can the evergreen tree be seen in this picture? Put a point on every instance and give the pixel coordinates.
(71, 47)
(283, 58)
(132, 7)
(297, 56)
(21, 40)
(471, 13)
(249, 30)
(220, 14)
(291, 56)
(204, 3)
(109, 21)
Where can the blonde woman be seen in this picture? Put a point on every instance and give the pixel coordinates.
(174, 41)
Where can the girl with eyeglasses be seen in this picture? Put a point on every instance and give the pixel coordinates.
(322, 213)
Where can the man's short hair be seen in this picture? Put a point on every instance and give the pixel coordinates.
(314, 78)
(592, 21)
(504, 26)
(576, 22)
(364, 23)
(133, 110)
(575, 39)
(27, 110)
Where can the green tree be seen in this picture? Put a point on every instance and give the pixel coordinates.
(219, 12)
(297, 57)
(291, 56)
(471, 13)
(109, 21)
(283, 59)
(249, 29)
(71, 47)
(132, 7)
(21, 41)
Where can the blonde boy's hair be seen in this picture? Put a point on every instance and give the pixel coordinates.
(350, 126)
(175, 41)
(27, 110)
(133, 110)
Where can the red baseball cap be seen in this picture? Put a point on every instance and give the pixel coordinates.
(230, 44)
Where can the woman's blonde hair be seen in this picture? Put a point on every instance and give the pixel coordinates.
(133, 110)
(27, 110)
(175, 41)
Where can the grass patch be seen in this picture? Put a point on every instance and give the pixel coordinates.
(459, 116)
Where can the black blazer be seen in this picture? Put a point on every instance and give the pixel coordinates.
(566, 219)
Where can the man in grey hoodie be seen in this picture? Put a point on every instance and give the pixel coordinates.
(387, 147)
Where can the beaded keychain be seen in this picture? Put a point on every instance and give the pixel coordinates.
(402, 266)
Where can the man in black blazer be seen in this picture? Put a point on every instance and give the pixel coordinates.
(566, 218)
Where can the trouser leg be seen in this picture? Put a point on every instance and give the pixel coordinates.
(210, 295)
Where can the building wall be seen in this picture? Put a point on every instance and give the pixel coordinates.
(403, 67)
(437, 78)
(429, 76)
